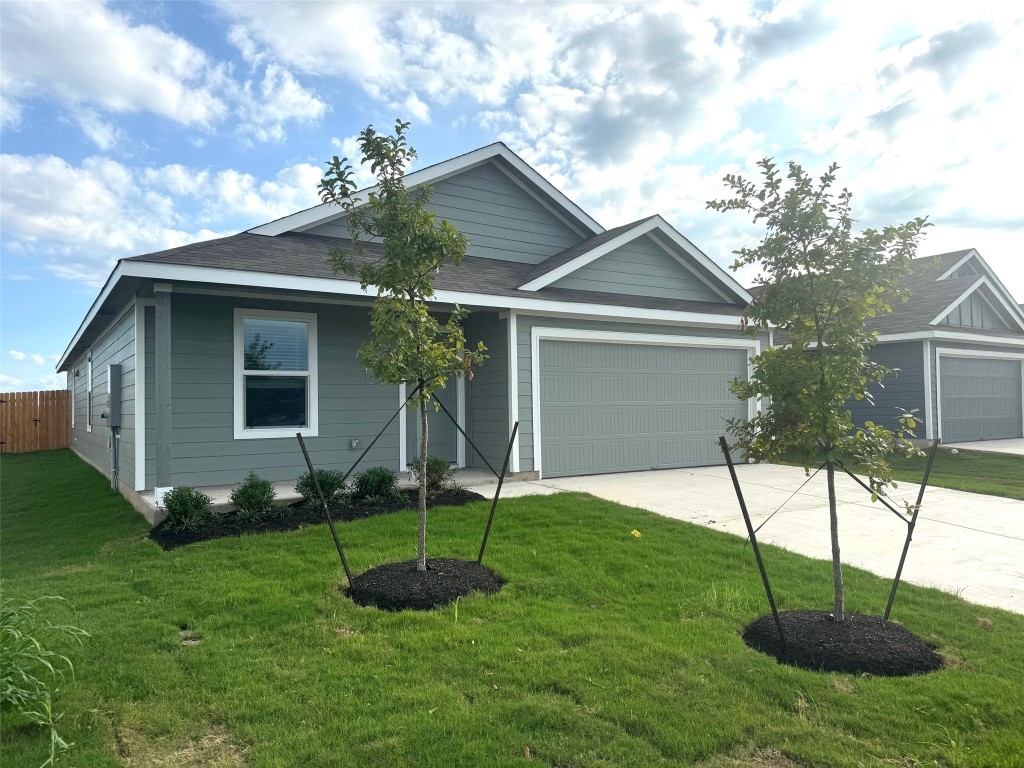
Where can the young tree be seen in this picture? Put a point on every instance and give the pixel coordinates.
(819, 283)
(406, 342)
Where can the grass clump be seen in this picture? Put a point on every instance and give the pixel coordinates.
(187, 508)
(331, 481)
(376, 483)
(28, 668)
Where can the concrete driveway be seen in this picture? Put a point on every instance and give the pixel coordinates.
(1013, 445)
(965, 543)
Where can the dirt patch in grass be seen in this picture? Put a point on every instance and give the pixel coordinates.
(750, 757)
(214, 749)
(859, 645)
(399, 586)
(299, 515)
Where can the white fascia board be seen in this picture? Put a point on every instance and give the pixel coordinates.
(1009, 306)
(950, 336)
(350, 288)
(590, 256)
(325, 212)
(960, 262)
(657, 223)
(115, 275)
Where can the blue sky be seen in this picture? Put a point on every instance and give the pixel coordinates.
(132, 127)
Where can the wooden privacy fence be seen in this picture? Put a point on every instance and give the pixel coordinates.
(35, 421)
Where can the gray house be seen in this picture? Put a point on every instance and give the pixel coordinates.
(614, 349)
(959, 344)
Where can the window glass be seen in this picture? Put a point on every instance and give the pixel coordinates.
(276, 401)
(275, 345)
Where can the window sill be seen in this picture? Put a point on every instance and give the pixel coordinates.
(275, 433)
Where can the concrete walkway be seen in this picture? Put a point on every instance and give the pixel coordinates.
(1014, 445)
(965, 543)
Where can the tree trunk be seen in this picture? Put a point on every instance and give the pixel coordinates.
(837, 567)
(421, 545)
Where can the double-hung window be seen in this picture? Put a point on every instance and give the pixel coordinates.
(275, 374)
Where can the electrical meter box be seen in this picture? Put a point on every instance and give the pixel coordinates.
(113, 395)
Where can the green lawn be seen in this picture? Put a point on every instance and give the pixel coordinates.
(603, 649)
(995, 474)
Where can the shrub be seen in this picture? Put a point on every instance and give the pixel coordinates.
(25, 665)
(254, 498)
(331, 483)
(376, 482)
(187, 508)
(440, 474)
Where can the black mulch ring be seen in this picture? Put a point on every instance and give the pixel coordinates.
(299, 516)
(399, 586)
(860, 644)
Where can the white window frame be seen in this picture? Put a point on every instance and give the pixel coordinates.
(312, 390)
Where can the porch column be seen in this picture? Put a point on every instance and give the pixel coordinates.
(162, 354)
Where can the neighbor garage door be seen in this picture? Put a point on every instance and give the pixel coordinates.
(980, 398)
(608, 407)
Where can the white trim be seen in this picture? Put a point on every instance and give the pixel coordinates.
(480, 300)
(88, 393)
(115, 277)
(327, 212)
(513, 386)
(983, 280)
(963, 260)
(941, 352)
(753, 347)
(312, 374)
(140, 391)
(656, 223)
(689, 268)
(460, 417)
(951, 336)
(540, 201)
(403, 450)
(929, 428)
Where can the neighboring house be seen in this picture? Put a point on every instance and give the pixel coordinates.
(614, 349)
(959, 344)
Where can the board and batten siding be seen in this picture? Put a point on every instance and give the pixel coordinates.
(351, 404)
(900, 391)
(116, 346)
(524, 330)
(501, 219)
(639, 268)
(487, 394)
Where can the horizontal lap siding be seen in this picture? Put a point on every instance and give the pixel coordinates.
(525, 325)
(116, 347)
(351, 404)
(487, 394)
(639, 268)
(903, 390)
(501, 220)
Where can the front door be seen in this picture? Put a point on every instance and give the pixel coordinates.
(441, 432)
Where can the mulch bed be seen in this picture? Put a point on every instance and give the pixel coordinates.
(399, 586)
(859, 645)
(299, 516)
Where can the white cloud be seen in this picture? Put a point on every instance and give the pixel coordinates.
(97, 64)
(108, 210)
(38, 359)
(53, 381)
(17, 355)
(9, 381)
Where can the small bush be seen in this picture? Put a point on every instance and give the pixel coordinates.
(187, 508)
(26, 665)
(376, 482)
(254, 498)
(331, 483)
(440, 474)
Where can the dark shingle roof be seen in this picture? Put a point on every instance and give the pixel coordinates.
(306, 255)
(929, 296)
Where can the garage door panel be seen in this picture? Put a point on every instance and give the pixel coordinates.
(980, 399)
(647, 405)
